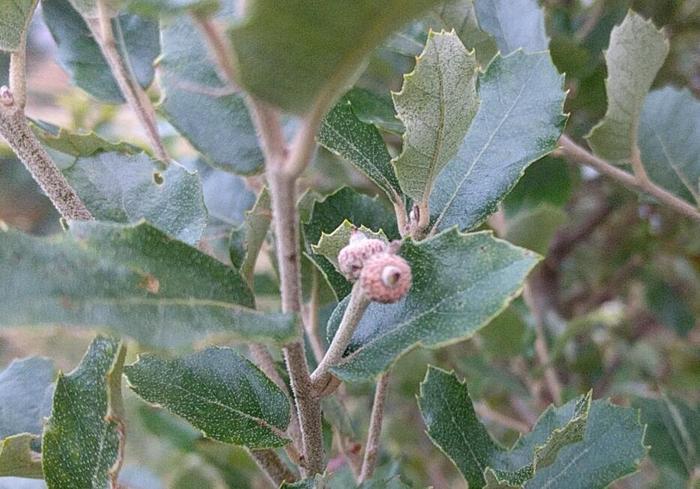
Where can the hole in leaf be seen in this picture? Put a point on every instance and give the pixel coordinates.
(158, 178)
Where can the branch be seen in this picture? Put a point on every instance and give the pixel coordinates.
(19, 136)
(638, 181)
(285, 222)
(353, 313)
(135, 96)
(273, 467)
(18, 74)
(375, 428)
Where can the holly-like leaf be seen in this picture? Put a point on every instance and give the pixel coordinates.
(25, 396)
(519, 120)
(454, 427)
(611, 448)
(18, 459)
(247, 239)
(636, 52)
(289, 53)
(16, 15)
(331, 212)
(133, 280)
(669, 141)
(436, 104)
(196, 102)
(125, 189)
(673, 431)
(76, 143)
(460, 282)
(514, 24)
(82, 438)
(80, 56)
(330, 244)
(344, 134)
(220, 392)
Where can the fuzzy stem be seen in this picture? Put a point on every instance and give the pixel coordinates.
(15, 130)
(284, 214)
(135, 96)
(18, 74)
(311, 322)
(273, 467)
(375, 428)
(577, 154)
(351, 318)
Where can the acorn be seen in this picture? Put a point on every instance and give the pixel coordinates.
(385, 278)
(352, 257)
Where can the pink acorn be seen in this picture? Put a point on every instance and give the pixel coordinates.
(385, 278)
(352, 257)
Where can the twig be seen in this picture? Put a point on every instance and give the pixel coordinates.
(285, 221)
(639, 182)
(369, 461)
(263, 359)
(15, 130)
(135, 96)
(311, 322)
(539, 312)
(273, 467)
(500, 418)
(18, 74)
(353, 313)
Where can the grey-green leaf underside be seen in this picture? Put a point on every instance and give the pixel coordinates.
(436, 105)
(515, 24)
(636, 53)
(519, 120)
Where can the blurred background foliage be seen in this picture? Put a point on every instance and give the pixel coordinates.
(621, 278)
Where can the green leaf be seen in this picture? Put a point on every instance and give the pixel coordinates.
(133, 280)
(16, 15)
(519, 120)
(375, 109)
(460, 283)
(81, 444)
(454, 427)
(196, 101)
(669, 306)
(534, 228)
(125, 189)
(80, 56)
(158, 8)
(331, 212)
(330, 244)
(436, 104)
(247, 239)
(220, 392)
(26, 387)
(673, 431)
(636, 52)
(344, 134)
(77, 143)
(514, 24)
(17, 459)
(317, 482)
(669, 141)
(289, 53)
(611, 448)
